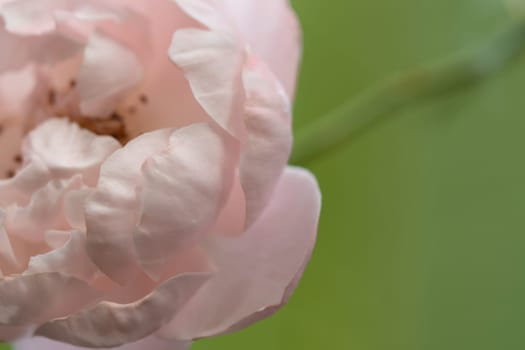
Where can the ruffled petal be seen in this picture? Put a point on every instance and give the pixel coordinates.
(30, 299)
(110, 324)
(212, 62)
(108, 71)
(20, 189)
(183, 191)
(112, 211)
(164, 98)
(277, 42)
(8, 260)
(258, 270)
(44, 212)
(70, 260)
(150, 343)
(66, 149)
(23, 50)
(268, 121)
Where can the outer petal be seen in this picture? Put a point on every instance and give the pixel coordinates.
(212, 62)
(112, 211)
(256, 271)
(109, 324)
(183, 190)
(30, 299)
(149, 343)
(268, 120)
(277, 38)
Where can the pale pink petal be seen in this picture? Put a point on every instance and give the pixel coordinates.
(209, 13)
(112, 211)
(38, 17)
(8, 259)
(74, 207)
(110, 325)
(149, 343)
(44, 212)
(29, 179)
(164, 98)
(276, 40)
(255, 270)
(268, 121)
(212, 62)
(66, 149)
(183, 190)
(70, 260)
(232, 219)
(23, 50)
(30, 299)
(108, 71)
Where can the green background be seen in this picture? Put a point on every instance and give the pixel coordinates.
(422, 235)
(421, 240)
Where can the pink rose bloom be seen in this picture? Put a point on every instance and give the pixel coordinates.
(145, 199)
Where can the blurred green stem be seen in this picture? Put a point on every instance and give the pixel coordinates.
(400, 91)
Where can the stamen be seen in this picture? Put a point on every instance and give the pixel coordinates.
(52, 97)
(113, 126)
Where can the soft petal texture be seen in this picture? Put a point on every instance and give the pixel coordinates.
(109, 69)
(66, 149)
(110, 324)
(112, 211)
(70, 259)
(23, 50)
(44, 212)
(164, 98)
(212, 62)
(267, 114)
(277, 42)
(34, 298)
(255, 270)
(149, 343)
(183, 191)
(8, 260)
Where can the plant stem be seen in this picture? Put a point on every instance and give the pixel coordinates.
(400, 91)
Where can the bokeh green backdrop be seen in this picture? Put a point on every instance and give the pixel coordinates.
(422, 236)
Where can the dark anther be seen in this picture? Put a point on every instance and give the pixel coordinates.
(10, 173)
(143, 98)
(72, 83)
(18, 158)
(52, 97)
(116, 116)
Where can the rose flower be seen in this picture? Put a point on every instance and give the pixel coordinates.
(145, 199)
